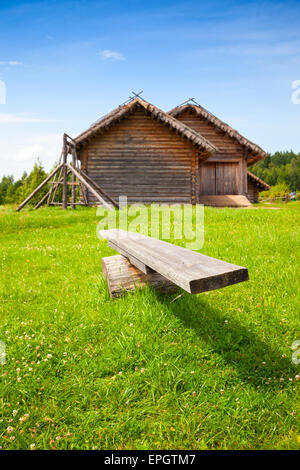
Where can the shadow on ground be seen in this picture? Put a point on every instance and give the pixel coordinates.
(239, 347)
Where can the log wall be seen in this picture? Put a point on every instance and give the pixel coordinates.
(253, 192)
(144, 160)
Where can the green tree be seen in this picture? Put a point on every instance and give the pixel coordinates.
(30, 183)
(279, 168)
(6, 183)
(294, 173)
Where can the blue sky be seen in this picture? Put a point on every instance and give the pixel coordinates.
(66, 63)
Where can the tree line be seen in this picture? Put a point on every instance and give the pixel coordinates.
(280, 169)
(15, 191)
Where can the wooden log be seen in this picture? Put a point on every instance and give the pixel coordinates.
(74, 158)
(69, 204)
(39, 187)
(65, 188)
(43, 199)
(69, 183)
(122, 276)
(53, 190)
(188, 269)
(83, 190)
(83, 193)
(57, 176)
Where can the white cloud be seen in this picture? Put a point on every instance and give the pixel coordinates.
(107, 54)
(14, 118)
(16, 157)
(42, 148)
(10, 62)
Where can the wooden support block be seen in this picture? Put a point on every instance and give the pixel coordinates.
(123, 276)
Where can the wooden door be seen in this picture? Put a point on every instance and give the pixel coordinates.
(218, 178)
(207, 179)
(227, 178)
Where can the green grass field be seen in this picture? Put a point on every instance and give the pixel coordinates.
(147, 371)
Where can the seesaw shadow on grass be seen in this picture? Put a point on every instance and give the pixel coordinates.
(238, 346)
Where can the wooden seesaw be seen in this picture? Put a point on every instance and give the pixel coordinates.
(145, 260)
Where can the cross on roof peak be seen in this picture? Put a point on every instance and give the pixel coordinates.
(190, 101)
(131, 98)
(136, 95)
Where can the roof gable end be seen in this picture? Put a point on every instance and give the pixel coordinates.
(257, 153)
(122, 111)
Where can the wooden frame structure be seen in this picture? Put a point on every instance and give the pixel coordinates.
(60, 176)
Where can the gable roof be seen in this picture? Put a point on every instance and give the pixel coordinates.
(257, 153)
(122, 111)
(262, 185)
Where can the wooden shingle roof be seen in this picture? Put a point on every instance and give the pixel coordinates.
(165, 118)
(256, 153)
(262, 185)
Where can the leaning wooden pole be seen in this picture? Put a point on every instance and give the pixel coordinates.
(100, 190)
(54, 184)
(90, 188)
(74, 158)
(43, 199)
(53, 195)
(39, 187)
(65, 187)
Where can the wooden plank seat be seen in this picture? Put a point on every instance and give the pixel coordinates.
(187, 269)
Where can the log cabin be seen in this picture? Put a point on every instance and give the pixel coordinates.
(225, 172)
(184, 156)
